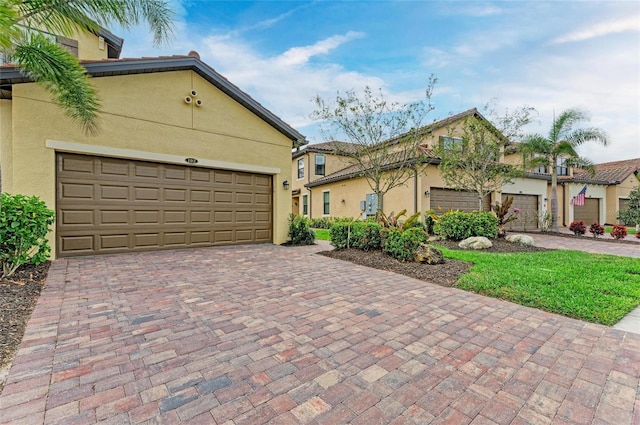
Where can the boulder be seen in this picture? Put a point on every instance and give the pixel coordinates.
(520, 239)
(428, 254)
(475, 242)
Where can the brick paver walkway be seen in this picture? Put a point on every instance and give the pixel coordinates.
(268, 334)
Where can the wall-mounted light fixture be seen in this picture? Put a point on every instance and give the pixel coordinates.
(285, 184)
(427, 193)
(342, 201)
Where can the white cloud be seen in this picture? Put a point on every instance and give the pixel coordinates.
(300, 55)
(631, 23)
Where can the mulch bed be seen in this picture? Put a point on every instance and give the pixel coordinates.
(18, 296)
(445, 274)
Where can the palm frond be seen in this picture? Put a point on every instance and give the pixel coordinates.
(66, 16)
(565, 122)
(591, 134)
(565, 149)
(8, 29)
(582, 163)
(61, 75)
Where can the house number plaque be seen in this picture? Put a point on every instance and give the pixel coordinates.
(191, 160)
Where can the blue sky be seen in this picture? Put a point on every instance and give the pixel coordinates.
(549, 55)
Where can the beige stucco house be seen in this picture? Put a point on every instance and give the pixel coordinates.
(337, 189)
(341, 191)
(183, 158)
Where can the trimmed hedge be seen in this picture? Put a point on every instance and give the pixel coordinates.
(299, 231)
(364, 235)
(458, 225)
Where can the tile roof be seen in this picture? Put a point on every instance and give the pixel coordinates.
(613, 172)
(333, 147)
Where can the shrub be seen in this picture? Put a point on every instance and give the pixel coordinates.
(24, 224)
(618, 231)
(578, 227)
(402, 245)
(327, 222)
(458, 225)
(596, 230)
(364, 235)
(502, 213)
(299, 231)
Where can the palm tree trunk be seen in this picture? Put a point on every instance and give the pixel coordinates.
(554, 199)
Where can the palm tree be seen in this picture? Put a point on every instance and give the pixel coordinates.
(561, 143)
(26, 27)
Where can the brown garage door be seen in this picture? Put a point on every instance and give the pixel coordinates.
(443, 200)
(589, 212)
(107, 205)
(528, 216)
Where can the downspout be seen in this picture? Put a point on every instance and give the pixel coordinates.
(564, 206)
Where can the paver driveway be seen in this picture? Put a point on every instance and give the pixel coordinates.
(268, 334)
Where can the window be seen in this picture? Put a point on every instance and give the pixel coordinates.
(562, 168)
(325, 203)
(301, 168)
(305, 205)
(319, 165)
(451, 142)
(540, 169)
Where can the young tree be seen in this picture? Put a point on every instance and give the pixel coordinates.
(470, 161)
(561, 143)
(384, 135)
(26, 27)
(630, 215)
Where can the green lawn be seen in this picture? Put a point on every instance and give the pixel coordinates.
(322, 234)
(592, 287)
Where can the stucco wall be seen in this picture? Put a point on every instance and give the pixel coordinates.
(6, 165)
(147, 113)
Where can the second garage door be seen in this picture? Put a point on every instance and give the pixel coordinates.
(589, 212)
(528, 216)
(443, 200)
(107, 205)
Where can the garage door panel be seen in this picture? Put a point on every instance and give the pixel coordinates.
(77, 244)
(113, 242)
(175, 217)
(175, 195)
(107, 217)
(77, 191)
(201, 196)
(114, 167)
(109, 205)
(80, 165)
(146, 170)
(77, 217)
(120, 193)
(223, 177)
(175, 238)
(443, 200)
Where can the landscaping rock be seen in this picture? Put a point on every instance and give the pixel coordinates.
(520, 239)
(476, 242)
(428, 254)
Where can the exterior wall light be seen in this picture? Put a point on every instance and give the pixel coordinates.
(427, 193)
(285, 184)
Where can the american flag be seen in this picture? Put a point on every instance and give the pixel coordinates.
(579, 198)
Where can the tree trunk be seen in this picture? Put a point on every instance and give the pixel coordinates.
(554, 200)
(379, 210)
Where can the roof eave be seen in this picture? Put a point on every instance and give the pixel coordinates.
(13, 75)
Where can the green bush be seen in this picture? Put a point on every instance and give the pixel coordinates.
(402, 245)
(363, 235)
(327, 222)
(299, 231)
(458, 225)
(24, 224)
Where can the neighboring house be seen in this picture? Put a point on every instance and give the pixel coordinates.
(183, 158)
(344, 192)
(621, 177)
